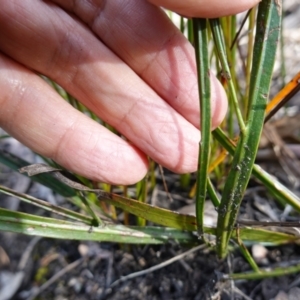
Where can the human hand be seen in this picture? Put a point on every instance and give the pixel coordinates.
(126, 62)
(204, 9)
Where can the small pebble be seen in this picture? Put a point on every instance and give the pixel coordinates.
(281, 296)
(259, 253)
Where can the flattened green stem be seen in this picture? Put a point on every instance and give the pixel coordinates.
(182, 25)
(246, 253)
(96, 219)
(162, 216)
(221, 49)
(15, 163)
(268, 28)
(278, 190)
(141, 190)
(190, 31)
(47, 227)
(202, 59)
(265, 274)
(251, 28)
(50, 227)
(212, 193)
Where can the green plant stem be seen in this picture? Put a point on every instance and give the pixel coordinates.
(264, 274)
(15, 163)
(141, 188)
(201, 50)
(251, 28)
(221, 50)
(159, 215)
(268, 28)
(96, 219)
(150, 213)
(47, 227)
(212, 193)
(36, 225)
(190, 31)
(246, 253)
(278, 190)
(182, 25)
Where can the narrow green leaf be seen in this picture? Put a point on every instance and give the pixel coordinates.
(250, 235)
(36, 225)
(278, 190)
(263, 274)
(12, 221)
(15, 163)
(162, 216)
(212, 193)
(186, 222)
(47, 227)
(202, 59)
(151, 213)
(222, 55)
(244, 250)
(268, 28)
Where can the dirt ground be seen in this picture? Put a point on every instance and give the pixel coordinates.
(195, 277)
(42, 268)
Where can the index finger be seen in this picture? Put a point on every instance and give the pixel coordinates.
(206, 9)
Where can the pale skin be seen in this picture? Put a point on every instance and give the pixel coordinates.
(126, 62)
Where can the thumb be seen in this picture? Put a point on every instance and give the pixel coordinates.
(206, 9)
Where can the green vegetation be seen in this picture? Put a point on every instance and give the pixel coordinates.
(215, 43)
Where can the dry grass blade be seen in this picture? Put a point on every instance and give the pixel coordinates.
(284, 95)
